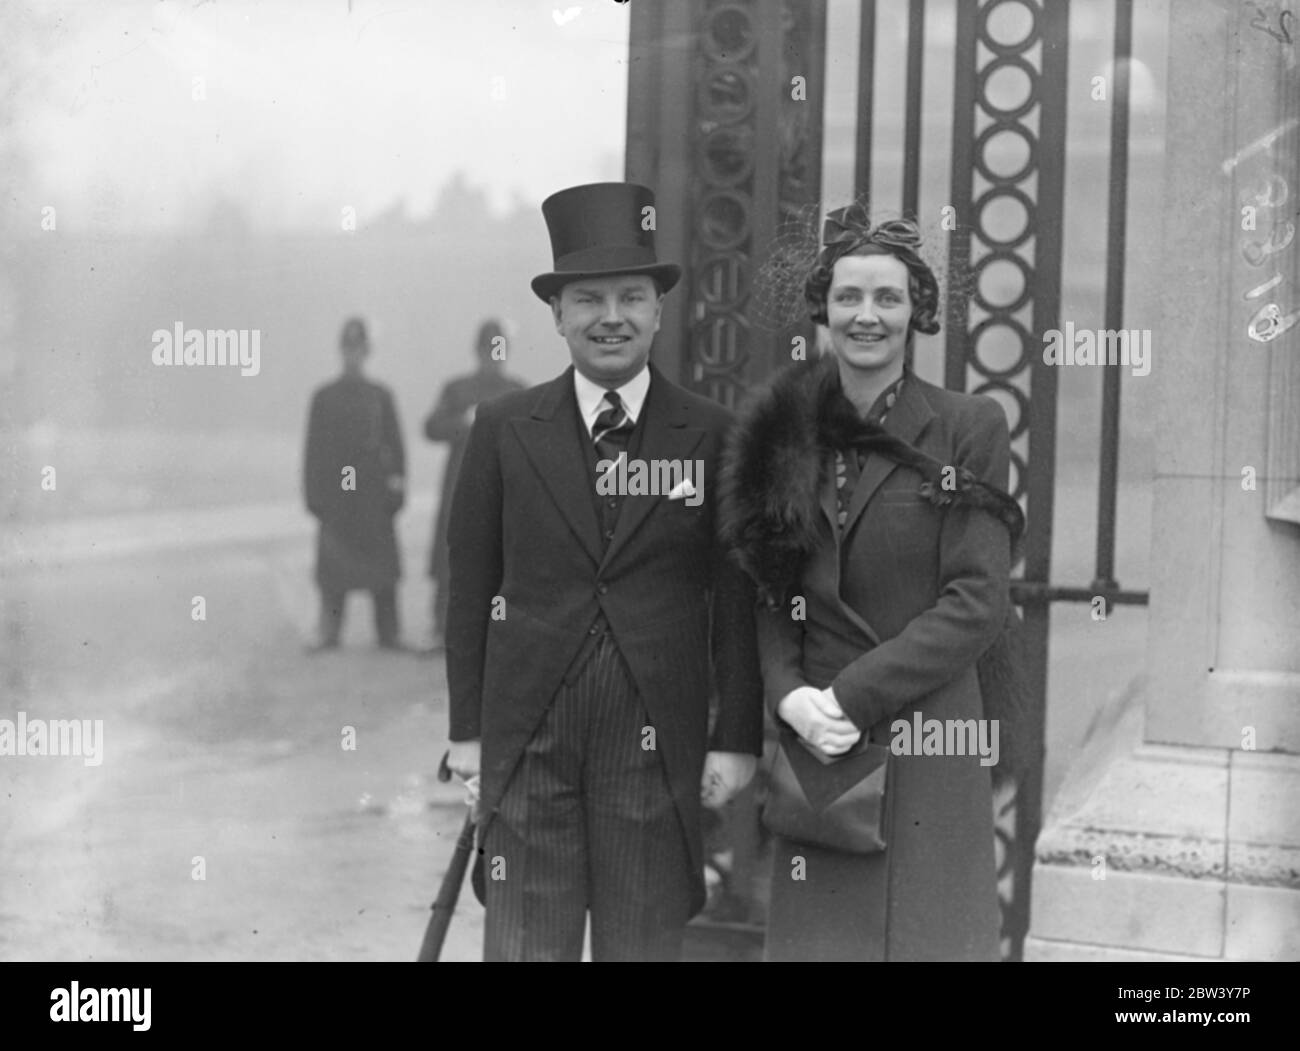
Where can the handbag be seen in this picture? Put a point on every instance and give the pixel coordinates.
(837, 803)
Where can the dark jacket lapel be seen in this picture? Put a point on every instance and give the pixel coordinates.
(835, 564)
(829, 497)
(551, 438)
(910, 416)
(666, 434)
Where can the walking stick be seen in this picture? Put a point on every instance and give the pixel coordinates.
(445, 904)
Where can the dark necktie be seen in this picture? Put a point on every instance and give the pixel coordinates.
(612, 428)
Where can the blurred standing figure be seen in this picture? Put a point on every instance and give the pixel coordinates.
(449, 422)
(354, 475)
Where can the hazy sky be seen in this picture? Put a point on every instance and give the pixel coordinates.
(307, 107)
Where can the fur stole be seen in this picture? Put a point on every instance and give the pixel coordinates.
(775, 467)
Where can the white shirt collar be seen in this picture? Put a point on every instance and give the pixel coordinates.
(591, 396)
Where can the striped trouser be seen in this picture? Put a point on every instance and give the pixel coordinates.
(587, 824)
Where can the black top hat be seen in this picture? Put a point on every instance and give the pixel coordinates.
(598, 230)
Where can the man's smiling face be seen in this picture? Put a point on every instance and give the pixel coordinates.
(609, 324)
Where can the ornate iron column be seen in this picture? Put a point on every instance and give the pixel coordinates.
(994, 37)
(724, 122)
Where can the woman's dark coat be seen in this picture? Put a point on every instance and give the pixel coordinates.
(353, 423)
(895, 619)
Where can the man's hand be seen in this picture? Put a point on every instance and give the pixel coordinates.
(725, 774)
(463, 758)
(817, 718)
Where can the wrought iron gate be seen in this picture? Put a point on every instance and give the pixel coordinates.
(734, 153)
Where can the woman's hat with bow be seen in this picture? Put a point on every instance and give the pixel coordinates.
(848, 230)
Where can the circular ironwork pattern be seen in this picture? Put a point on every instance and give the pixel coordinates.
(729, 33)
(1025, 341)
(721, 188)
(1014, 262)
(725, 157)
(1008, 180)
(1007, 62)
(725, 94)
(722, 219)
(1009, 47)
(996, 196)
(725, 167)
(1000, 348)
(1006, 156)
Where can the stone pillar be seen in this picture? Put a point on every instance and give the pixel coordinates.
(1185, 797)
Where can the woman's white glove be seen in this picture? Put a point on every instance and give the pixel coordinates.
(816, 717)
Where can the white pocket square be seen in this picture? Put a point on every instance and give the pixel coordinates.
(682, 489)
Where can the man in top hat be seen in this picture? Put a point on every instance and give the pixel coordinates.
(590, 628)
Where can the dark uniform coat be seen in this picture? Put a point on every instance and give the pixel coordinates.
(446, 423)
(353, 423)
(897, 615)
(524, 527)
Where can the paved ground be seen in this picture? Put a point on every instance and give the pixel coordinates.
(222, 742)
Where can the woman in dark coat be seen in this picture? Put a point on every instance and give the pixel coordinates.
(885, 584)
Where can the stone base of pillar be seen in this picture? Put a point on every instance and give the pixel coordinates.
(1155, 852)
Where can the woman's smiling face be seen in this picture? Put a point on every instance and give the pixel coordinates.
(868, 311)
